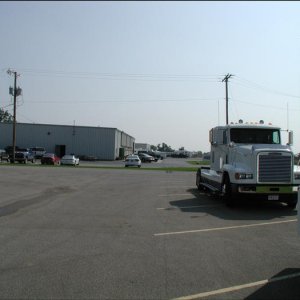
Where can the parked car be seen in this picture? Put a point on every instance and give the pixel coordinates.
(69, 160)
(87, 157)
(50, 159)
(156, 155)
(9, 149)
(4, 156)
(133, 161)
(38, 152)
(24, 157)
(146, 158)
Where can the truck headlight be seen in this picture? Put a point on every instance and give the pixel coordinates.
(243, 176)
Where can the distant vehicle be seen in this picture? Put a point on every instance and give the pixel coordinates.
(69, 160)
(179, 155)
(50, 159)
(38, 152)
(87, 157)
(156, 155)
(24, 157)
(133, 161)
(9, 149)
(146, 158)
(4, 156)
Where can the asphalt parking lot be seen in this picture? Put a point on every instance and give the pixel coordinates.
(83, 233)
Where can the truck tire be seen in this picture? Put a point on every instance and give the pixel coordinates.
(292, 204)
(198, 181)
(227, 192)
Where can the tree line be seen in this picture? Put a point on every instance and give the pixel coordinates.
(5, 116)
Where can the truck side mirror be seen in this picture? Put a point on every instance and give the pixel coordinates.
(291, 138)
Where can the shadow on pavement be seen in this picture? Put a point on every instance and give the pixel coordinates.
(246, 210)
(284, 285)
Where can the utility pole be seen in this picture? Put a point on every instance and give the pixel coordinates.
(226, 87)
(15, 92)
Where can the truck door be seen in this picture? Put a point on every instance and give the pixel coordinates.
(219, 149)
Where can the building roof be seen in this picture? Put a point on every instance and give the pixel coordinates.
(72, 126)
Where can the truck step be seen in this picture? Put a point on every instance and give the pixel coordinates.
(210, 187)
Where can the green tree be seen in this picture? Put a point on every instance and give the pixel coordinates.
(5, 116)
(153, 148)
(164, 148)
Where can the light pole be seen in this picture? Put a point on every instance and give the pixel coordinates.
(16, 92)
(226, 86)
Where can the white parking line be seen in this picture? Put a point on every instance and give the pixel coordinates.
(237, 287)
(172, 181)
(187, 207)
(169, 195)
(224, 228)
(180, 186)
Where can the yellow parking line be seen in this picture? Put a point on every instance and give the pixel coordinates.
(224, 228)
(237, 287)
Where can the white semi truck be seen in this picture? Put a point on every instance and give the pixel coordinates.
(249, 161)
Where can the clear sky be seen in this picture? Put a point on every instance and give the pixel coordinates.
(153, 69)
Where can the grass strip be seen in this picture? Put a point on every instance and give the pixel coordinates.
(165, 169)
(199, 162)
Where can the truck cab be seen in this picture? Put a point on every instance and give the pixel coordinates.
(249, 161)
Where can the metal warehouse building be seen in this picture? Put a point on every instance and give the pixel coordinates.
(100, 142)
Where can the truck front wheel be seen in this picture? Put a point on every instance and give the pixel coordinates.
(198, 181)
(227, 192)
(292, 204)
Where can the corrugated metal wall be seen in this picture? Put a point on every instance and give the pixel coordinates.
(124, 141)
(101, 142)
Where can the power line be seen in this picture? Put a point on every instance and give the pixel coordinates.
(122, 76)
(263, 105)
(251, 84)
(124, 101)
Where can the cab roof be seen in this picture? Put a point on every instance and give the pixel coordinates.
(249, 125)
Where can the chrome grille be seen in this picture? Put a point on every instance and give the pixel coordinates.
(274, 167)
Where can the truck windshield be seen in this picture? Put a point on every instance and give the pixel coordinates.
(254, 136)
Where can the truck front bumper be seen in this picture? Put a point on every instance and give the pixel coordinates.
(281, 193)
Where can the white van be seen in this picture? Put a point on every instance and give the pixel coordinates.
(38, 152)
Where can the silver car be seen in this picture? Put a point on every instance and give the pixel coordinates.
(69, 160)
(133, 161)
